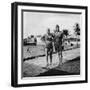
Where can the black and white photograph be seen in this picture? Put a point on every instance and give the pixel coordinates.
(51, 44)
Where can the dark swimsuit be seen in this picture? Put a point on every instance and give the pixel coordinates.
(48, 41)
(58, 42)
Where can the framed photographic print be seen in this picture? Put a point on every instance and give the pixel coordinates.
(49, 44)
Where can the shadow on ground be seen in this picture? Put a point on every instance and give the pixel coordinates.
(72, 67)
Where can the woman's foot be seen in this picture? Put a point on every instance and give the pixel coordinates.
(47, 65)
(60, 64)
(50, 64)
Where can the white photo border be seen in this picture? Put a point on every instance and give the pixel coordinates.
(46, 80)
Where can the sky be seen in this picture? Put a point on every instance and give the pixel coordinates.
(36, 23)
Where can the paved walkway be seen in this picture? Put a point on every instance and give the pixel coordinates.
(67, 55)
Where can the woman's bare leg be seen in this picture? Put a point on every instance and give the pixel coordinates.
(60, 58)
(46, 52)
(50, 58)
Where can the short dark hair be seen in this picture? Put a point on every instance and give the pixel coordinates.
(57, 26)
(48, 29)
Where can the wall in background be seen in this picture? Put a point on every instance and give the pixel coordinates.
(5, 45)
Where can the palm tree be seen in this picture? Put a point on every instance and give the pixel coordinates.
(77, 31)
